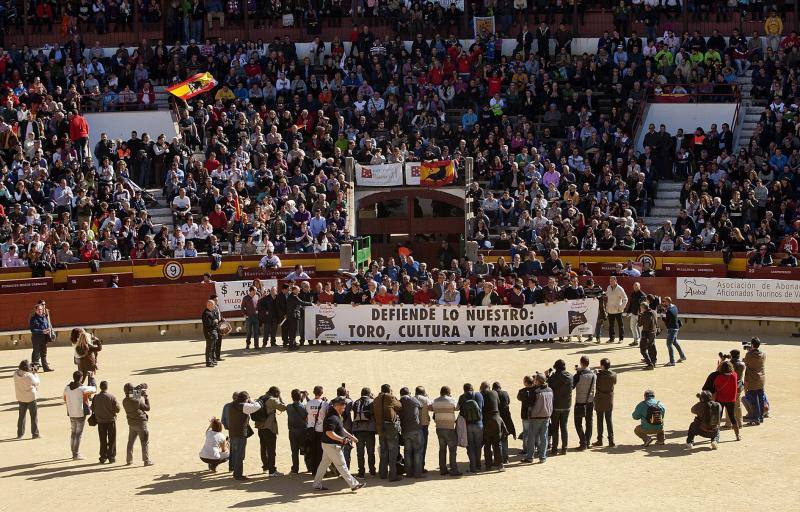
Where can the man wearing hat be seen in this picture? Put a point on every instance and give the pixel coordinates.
(334, 439)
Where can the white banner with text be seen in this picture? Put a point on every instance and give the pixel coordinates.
(386, 175)
(231, 293)
(737, 290)
(373, 323)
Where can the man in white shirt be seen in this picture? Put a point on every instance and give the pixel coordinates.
(181, 205)
(297, 274)
(270, 260)
(12, 259)
(616, 300)
(189, 229)
(74, 394)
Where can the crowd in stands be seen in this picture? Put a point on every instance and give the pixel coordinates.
(258, 164)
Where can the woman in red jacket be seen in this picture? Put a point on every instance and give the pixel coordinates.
(726, 392)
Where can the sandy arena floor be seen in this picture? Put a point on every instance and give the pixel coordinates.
(762, 467)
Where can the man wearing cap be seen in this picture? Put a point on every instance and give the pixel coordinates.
(706, 422)
(334, 438)
(650, 413)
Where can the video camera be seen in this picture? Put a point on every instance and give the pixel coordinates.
(137, 392)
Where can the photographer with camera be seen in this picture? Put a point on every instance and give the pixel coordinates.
(333, 441)
(754, 380)
(238, 419)
(75, 396)
(136, 404)
(648, 327)
(267, 426)
(585, 383)
(363, 428)
(604, 401)
(296, 418)
(560, 381)
(26, 388)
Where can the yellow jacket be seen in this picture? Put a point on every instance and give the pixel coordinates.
(773, 26)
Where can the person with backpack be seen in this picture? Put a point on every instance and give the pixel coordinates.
(385, 409)
(444, 409)
(363, 427)
(726, 391)
(560, 381)
(470, 406)
(267, 425)
(650, 413)
(673, 324)
(604, 401)
(706, 422)
(296, 418)
(648, 325)
(585, 383)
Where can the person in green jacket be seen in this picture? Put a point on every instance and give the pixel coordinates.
(650, 413)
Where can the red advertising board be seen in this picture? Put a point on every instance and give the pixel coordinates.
(773, 273)
(76, 282)
(34, 284)
(692, 269)
(273, 273)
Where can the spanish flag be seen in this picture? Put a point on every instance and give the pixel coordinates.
(437, 174)
(191, 87)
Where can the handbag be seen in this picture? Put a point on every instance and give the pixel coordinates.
(92, 421)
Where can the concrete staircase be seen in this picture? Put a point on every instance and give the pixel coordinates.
(162, 97)
(749, 114)
(667, 204)
(161, 215)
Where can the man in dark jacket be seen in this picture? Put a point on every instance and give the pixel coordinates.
(412, 433)
(294, 315)
(238, 424)
(283, 320)
(105, 408)
(136, 407)
(250, 311)
(574, 290)
(560, 381)
(604, 401)
(585, 383)
(269, 315)
(504, 402)
(210, 331)
(593, 291)
(493, 428)
(385, 409)
(648, 324)
(632, 310)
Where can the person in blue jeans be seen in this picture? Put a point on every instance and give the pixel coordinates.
(470, 406)
(539, 413)
(754, 380)
(673, 324)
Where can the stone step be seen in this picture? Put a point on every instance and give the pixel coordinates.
(668, 196)
(668, 186)
(752, 118)
(665, 211)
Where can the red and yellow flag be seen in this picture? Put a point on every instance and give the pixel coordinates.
(192, 86)
(437, 174)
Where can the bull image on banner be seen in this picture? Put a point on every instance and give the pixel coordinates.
(400, 323)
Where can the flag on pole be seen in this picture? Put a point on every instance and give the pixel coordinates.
(437, 174)
(192, 86)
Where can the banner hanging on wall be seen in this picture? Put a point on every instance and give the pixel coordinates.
(450, 323)
(737, 290)
(386, 175)
(231, 293)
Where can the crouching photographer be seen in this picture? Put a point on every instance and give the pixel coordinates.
(136, 404)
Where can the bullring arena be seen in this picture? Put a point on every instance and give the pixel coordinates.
(457, 224)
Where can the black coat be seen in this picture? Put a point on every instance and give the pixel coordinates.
(561, 384)
(505, 412)
(294, 307)
(268, 307)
